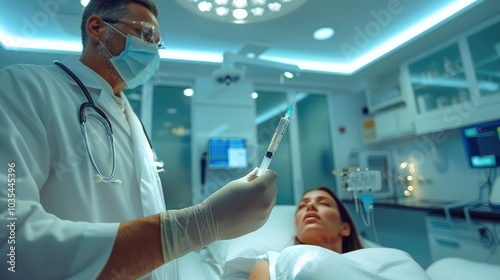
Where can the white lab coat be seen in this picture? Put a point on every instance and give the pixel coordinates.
(65, 224)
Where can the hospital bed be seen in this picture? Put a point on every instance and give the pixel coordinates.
(233, 259)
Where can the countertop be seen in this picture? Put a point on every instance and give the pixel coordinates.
(481, 210)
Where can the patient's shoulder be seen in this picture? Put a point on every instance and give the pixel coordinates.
(260, 271)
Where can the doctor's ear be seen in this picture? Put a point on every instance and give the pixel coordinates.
(95, 28)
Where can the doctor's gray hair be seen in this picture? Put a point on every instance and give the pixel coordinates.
(111, 9)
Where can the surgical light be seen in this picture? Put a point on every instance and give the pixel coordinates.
(84, 2)
(241, 11)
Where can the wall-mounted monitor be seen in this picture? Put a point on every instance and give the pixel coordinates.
(227, 153)
(482, 144)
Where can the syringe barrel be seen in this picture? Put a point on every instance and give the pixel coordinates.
(264, 165)
(278, 134)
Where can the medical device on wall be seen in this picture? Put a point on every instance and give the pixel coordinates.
(375, 160)
(227, 153)
(275, 141)
(90, 112)
(363, 180)
(362, 183)
(482, 149)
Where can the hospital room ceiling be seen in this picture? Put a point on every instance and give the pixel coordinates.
(369, 35)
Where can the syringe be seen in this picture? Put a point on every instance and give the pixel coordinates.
(275, 141)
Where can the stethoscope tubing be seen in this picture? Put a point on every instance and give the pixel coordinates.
(83, 119)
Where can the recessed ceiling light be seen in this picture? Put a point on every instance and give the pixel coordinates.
(188, 92)
(323, 33)
(251, 55)
(84, 2)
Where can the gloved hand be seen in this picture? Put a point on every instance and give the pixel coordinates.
(243, 205)
(238, 208)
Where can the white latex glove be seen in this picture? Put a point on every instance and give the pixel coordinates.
(238, 208)
(243, 205)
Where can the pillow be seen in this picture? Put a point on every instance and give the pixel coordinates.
(276, 234)
(460, 268)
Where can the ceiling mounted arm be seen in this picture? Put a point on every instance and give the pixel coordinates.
(231, 59)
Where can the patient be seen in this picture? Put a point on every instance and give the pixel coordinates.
(321, 219)
(327, 244)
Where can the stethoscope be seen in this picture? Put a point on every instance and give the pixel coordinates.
(82, 117)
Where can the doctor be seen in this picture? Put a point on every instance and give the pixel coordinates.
(80, 202)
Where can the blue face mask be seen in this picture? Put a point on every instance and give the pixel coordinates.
(137, 63)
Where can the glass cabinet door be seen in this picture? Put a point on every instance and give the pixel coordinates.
(439, 80)
(171, 138)
(485, 52)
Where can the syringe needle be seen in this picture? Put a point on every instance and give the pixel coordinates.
(289, 111)
(295, 97)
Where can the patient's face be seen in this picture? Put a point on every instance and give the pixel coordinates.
(318, 221)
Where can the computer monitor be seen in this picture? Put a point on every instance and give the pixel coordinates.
(227, 153)
(482, 144)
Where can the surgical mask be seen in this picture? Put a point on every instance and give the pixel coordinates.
(137, 63)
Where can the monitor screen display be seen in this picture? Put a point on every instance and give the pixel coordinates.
(227, 153)
(482, 144)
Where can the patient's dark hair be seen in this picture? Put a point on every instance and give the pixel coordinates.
(351, 242)
(111, 9)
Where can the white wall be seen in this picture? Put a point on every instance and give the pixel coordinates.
(346, 112)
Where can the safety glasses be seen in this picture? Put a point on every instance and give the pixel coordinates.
(149, 33)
